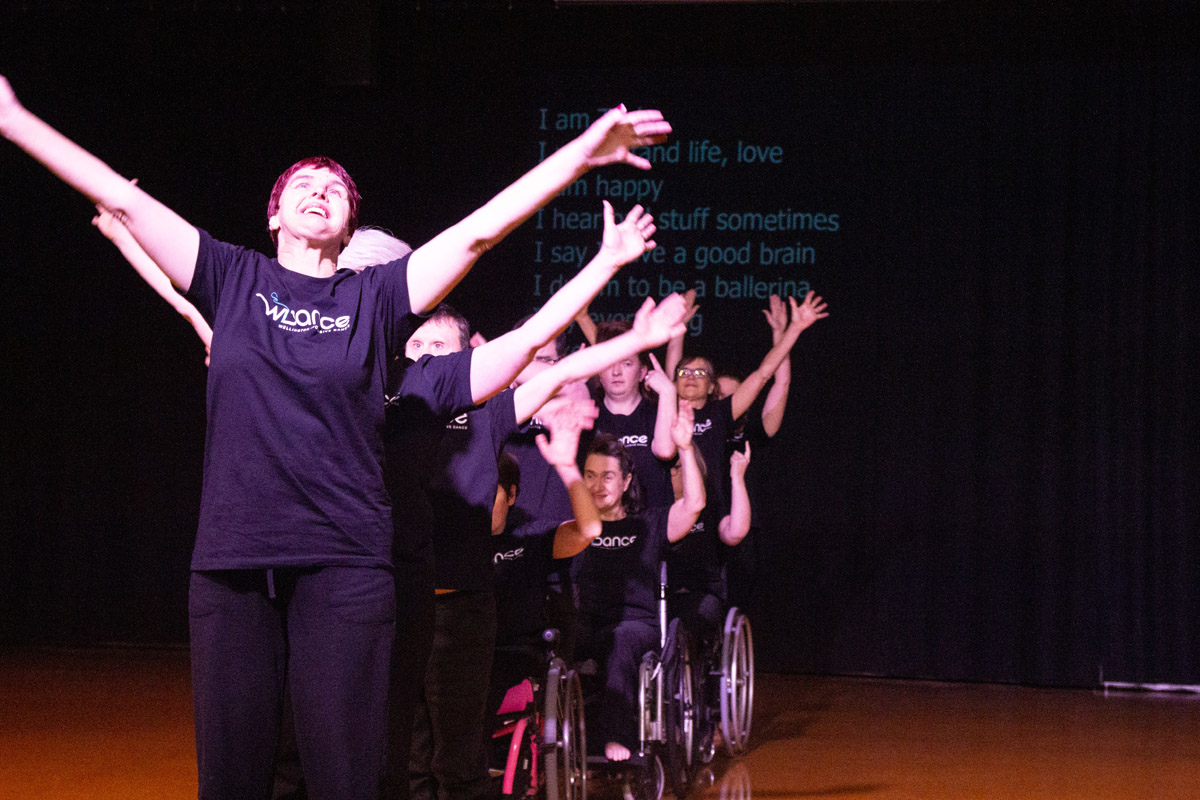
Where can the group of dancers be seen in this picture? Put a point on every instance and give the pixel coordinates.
(383, 504)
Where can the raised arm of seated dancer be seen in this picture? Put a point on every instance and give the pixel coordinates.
(734, 526)
(675, 346)
(775, 404)
(662, 445)
(587, 325)
(652, 326)
(498, 362)
(565, 421)
(169, 239)
(803, 315)
(437, 266)
(686, 510)
(145, 266)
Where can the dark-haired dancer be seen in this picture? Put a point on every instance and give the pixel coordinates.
(617, 576)
(291, 572)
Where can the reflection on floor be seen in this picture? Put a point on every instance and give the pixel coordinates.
(116, 723)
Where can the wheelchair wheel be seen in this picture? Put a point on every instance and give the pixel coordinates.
(737, 682)
(564, 738)
(682, 740)
(708, 706)
(647, 783)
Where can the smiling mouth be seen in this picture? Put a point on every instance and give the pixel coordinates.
(315, 210)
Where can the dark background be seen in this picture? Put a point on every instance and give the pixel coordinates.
(989, 466)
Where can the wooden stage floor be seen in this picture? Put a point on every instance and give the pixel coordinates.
(116, 723)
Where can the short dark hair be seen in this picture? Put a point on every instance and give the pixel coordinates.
(510, 474)
(447, 314)
(612, 328)
(605, 444)
(316, 162)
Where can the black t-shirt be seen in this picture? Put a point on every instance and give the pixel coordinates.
(462, 490)
(520, 565)
(713, 427)
(636, 431)
(448, 472)
(293, 461)
(543, 501)
(694, 562)
(422, 395)
(617, 575)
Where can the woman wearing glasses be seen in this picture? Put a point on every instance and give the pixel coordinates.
(695, 572)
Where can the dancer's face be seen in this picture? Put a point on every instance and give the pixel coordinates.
(437, 337)
(314, 206)
(623, 379)
(602, 477)
(694, 380)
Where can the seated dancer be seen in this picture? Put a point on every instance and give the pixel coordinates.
(641, 424)
(291, 573)
(521, 564)
(617, 576)
(446, 758)
(695, 565)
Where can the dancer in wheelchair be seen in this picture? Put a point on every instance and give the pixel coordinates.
(698, 594)
(521, 563)
(617, 577)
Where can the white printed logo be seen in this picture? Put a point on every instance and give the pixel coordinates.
(459, 423)
(303, 319)
(633, 440)
(511, 555)
(701, 427)
(614, 542)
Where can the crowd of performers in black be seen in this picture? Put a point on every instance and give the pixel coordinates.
(392, 512)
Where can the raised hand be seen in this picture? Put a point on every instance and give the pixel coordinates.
(657, 380)
(777, 317)
(808, 312)
(738, 462)
(684, 425)
(690, 307)
(8, 100)
(657, 324)
(631, 237)
(565, 418)
(611, 138)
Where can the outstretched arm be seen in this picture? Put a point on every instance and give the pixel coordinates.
(775, 405)
(675, 346)
(734, 526)
(565, 421)
(119, 235)
(587, 325)
(662, 445)
(497, 362)
(686, 510)
(652, 326)
(437, 266)
(169, 240)
(803, 315)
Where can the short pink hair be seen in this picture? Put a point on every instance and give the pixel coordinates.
(316, 162)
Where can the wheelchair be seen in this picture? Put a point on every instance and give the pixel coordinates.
(543, 721)
(668, 751)
(724, 663)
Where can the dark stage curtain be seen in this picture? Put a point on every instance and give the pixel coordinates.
(989, 467)
(1012, 493)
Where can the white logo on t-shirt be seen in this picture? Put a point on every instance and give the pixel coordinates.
(303, 319)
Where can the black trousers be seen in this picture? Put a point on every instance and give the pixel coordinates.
(617, 647)
(448, 760)
(326, 633)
